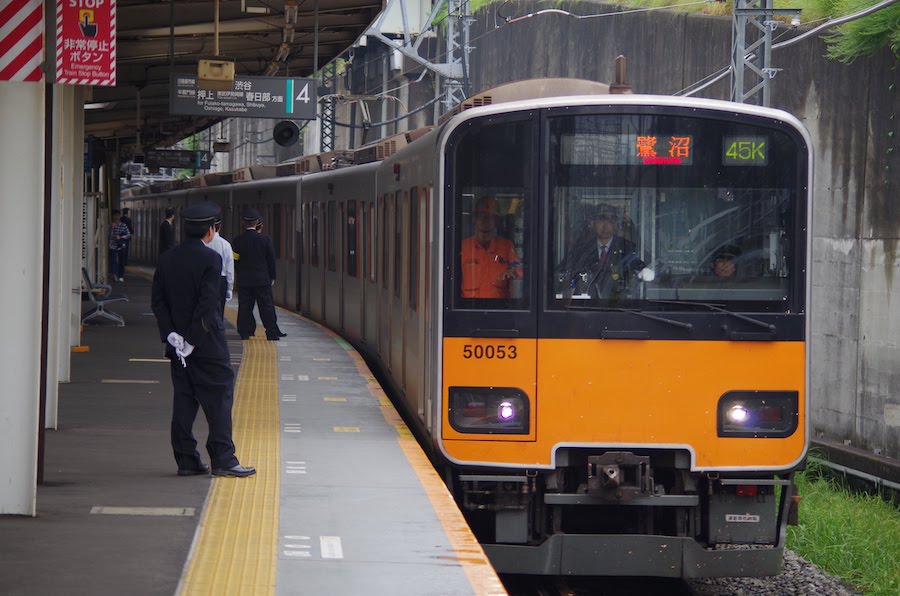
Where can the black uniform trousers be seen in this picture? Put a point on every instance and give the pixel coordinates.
(262, 297)
(207, 384)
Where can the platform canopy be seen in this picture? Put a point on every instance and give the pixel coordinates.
(264, 37)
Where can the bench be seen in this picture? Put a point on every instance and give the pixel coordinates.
(101, 295)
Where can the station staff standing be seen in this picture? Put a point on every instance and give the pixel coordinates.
(223, 247)
(167, 231)
(254, 263)
(185, 300)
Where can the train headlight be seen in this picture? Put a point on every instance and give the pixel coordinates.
(763, 414)
(489, 410)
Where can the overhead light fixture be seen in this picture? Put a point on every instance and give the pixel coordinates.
(100, 105)
(290, 12)
(283, 51)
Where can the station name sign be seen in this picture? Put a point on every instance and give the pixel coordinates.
(251, 97)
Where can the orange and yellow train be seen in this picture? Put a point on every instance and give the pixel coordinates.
(592, 308)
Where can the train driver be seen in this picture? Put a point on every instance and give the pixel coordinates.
(723, 263)
(489, 262)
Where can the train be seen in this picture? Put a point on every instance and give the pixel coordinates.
(640, 413)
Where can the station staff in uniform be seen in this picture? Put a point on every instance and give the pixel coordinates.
(167, 231)
(254, 264)
(223, 247)
(185, 300)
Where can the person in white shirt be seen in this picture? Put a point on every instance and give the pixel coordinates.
(223, 247)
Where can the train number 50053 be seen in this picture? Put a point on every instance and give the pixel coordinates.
(470, 351)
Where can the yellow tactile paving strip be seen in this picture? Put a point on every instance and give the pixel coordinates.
(236, 549)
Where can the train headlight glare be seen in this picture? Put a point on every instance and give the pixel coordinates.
(758, 414)
(738, 414)
(488, 410)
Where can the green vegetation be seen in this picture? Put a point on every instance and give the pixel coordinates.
(850, 535)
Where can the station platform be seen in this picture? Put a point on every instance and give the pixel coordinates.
(344, 500)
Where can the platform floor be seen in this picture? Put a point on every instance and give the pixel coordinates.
(345, 502)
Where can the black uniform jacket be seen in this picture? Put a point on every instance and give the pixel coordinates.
(584, 274)
(186, 299)
(166, 236)
(254, 259)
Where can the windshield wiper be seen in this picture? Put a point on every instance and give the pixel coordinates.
(634, 312)
(768, 326)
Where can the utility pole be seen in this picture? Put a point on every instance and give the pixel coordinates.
(751, 69)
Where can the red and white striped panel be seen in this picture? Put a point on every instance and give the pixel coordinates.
(21, 40)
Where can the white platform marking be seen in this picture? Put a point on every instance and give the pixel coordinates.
(297, 550)
(152, 511)
(284, 358)
(292, 427)
(331, 547)
(302, 377)
(287, 377)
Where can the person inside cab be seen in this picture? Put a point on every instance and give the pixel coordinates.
(489, 261)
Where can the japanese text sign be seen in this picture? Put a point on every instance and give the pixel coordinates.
(86, 42)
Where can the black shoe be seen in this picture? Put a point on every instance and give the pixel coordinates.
(238, 471)
(273, 338)
(281, 334)
(245, 337)
(202, 470)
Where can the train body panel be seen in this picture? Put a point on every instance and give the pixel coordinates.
(636, 425)
(626, 394)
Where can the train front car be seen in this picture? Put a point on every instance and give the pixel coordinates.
(624, 342)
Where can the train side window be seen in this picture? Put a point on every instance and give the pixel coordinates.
(330, 222)
(276, 230)
(492, 178)
(351, 238)
(398, 243)
(314, 236)
(413, 247)
(371, 246)
(382, 209)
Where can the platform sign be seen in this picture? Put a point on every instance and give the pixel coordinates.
(251, 97)
(86, 42)
(176, 158)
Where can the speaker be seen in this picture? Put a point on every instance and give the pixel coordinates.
(286, 133)
(215, 73)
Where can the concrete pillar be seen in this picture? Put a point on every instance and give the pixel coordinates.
(21, 272)
(70, 238)
(65, 159)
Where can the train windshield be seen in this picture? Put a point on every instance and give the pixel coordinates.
(654, 211)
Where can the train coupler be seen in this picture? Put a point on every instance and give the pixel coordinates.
(619, 476)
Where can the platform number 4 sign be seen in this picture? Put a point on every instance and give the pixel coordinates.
(302, 99)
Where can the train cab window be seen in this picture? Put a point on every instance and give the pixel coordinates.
(492, 195)
(652, 212)
(351, 238)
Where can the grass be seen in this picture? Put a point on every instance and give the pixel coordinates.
(850, 535)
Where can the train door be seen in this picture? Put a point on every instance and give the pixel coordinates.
(401, 265)
(363, 262)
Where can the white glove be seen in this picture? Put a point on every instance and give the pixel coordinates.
(273, 282)
(646, 274)
(184, 353)
(175, 340)
(227, 295)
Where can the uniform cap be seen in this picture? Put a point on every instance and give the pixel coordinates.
(487, 205)
(603, 212)
(204, 212)
(727, 253)
(169, 212)
(250, 214)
